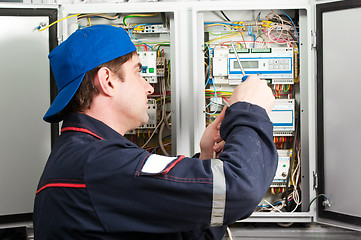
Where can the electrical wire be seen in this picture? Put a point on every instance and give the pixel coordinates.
(137, 15)
(168, 72)
(225, 36)
(215, 97)
(319, 195)
(231, 24)
(163, 93)
(229, 232)
(278, 208)
(42, 29)
(295, 194)
(160, 134)
(99, 15)
(225, 16)
(292, 24)
(219, 24)
(293, 155)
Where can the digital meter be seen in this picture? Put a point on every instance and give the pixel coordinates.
(272, 63)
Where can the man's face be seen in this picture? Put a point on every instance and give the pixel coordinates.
(132, 95)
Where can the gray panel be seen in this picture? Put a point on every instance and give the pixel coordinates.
(342, 112)
(25, 96)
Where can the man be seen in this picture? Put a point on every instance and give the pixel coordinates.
(98, 185)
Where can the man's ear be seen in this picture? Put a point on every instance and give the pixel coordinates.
(103, 80)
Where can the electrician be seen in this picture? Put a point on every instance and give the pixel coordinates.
(98, 185)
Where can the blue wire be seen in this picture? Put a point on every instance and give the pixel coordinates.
(209, 64)
(132, 37)
(215, 98)
(130, 33)
(298, 40)
(251, 34)
(142, 42)
(272, 204)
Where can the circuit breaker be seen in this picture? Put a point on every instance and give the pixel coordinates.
(280, 179)
(149, 66)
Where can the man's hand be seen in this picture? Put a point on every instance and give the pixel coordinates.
(254, 91)
(211, 140)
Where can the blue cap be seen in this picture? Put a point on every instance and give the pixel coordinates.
(82, 51)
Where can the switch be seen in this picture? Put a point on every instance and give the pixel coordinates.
(144, 69)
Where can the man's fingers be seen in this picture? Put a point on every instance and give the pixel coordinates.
(217, 138)
(219, 146)
(220, 117)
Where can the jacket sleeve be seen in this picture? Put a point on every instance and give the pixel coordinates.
(249, 158)
(188, 193)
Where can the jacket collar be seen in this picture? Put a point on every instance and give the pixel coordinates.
(80, 122)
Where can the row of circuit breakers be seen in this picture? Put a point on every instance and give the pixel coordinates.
(273, 64)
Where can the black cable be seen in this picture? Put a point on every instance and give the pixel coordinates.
(225, 16)
(293, 36)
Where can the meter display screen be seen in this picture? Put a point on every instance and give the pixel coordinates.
(245, 64)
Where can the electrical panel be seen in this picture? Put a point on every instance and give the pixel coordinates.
(265, 43)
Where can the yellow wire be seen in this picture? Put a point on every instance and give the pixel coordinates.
(89, 21)
(168, 74)
(219, 24)
(223, 37)
(98, 14)
(58, 21)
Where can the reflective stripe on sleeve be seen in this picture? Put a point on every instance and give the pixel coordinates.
(219, 193)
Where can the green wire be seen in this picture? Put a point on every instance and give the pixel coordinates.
(315, 199)
(129, 16)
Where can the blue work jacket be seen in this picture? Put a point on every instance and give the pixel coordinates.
(99, 185)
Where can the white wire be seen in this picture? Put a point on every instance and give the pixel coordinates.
(229, 232)
(295, 194)
(274, 207)
(163, 93)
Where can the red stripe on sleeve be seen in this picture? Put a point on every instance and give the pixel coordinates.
(173, 164)
(62, 185)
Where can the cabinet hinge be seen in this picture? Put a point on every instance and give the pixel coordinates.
(313, 40)
(315, 180)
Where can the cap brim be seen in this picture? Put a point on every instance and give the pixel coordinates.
(62, 99)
